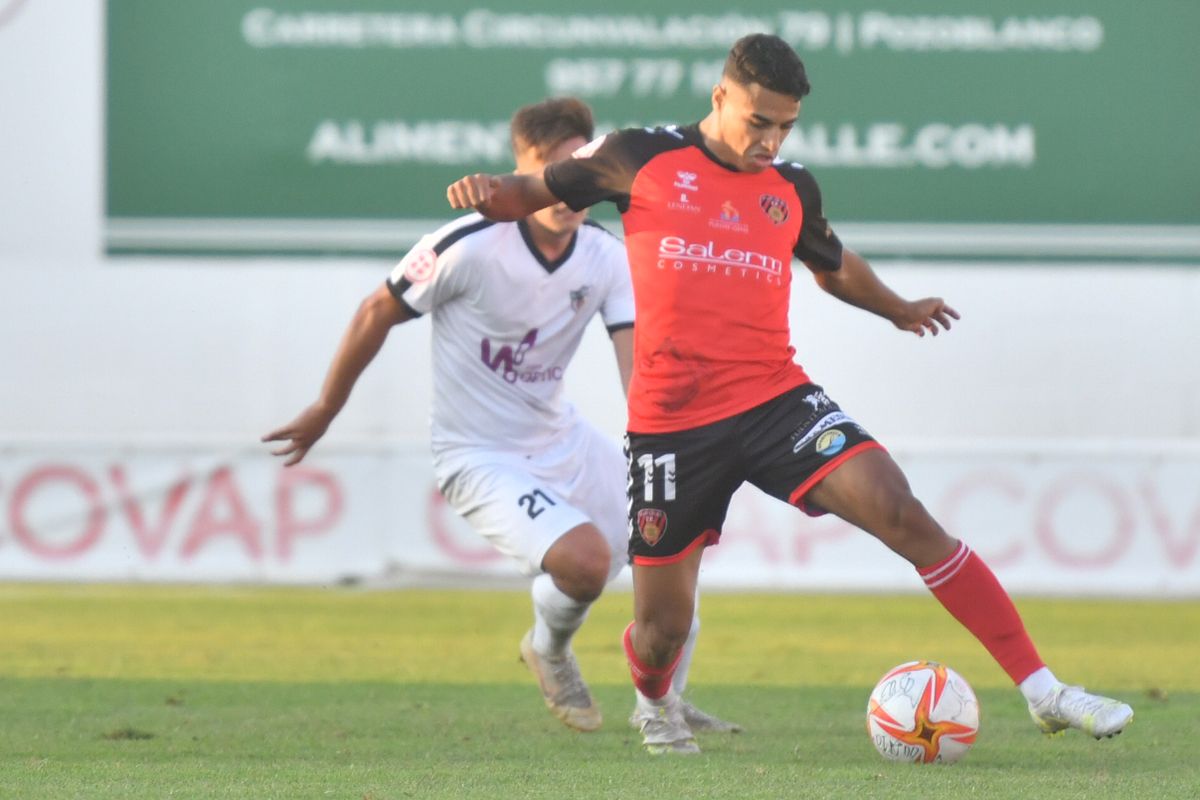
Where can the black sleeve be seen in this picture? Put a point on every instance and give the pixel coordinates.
(605, 168)
(592, 174)
(817, 244)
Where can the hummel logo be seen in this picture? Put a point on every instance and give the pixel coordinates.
(817, 400)
(687, 181)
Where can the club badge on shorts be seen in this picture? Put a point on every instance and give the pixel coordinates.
(652, 523)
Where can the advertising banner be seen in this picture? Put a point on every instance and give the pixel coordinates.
(951, 129)
(1099, 522)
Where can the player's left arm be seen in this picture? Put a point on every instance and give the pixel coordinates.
(857, 284)
(622, 341)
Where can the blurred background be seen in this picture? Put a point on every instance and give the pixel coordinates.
(195, 196)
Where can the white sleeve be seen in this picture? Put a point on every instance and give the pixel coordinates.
(617, 308)
(436, 269)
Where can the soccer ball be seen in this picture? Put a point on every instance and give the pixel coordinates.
(923, 711)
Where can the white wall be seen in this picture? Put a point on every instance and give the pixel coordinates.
(191, 350)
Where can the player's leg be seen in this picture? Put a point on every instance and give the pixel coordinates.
(663, 614)
(598, 487)
(576, 569)
(679, 489)
(871, 492)
(525, 517)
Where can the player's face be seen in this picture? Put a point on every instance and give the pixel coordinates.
(557, 219)
(752, 123)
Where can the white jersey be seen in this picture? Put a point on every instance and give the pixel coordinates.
(505, 325)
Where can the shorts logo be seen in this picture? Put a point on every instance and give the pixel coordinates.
(831, 442)
(821, 426)
(419, 265)
(652, 524)
(817, 400)
(775, 208)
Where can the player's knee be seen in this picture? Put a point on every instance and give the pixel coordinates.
(665, 633)
(581, 568)
(910, 530)
(664, 641)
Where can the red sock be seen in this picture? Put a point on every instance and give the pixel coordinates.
(650, 681)
(965, 586)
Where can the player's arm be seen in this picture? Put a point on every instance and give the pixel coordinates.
(364, 336)
(502, 198)
(857, 284)
(622, 340)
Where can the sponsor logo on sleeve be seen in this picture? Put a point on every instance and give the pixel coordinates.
(419, 265)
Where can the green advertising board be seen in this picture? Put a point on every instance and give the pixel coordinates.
(936, 128)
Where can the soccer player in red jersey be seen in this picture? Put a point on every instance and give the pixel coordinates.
(712, 221)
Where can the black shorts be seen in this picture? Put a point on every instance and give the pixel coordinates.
(680, 483)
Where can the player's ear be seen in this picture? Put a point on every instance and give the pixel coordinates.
(718, 96)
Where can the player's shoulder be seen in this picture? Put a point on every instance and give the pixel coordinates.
(595, 237)
(602, 248)
(591, 230)
(643, 142)
(468, 231)
(796, 174)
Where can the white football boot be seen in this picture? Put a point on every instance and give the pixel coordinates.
(1072, 707)
(699, 720)
(664, 731)
(562, 686)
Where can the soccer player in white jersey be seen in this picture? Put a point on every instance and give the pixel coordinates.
(510, 302)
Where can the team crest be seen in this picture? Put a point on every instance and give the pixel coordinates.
(578, 296)
(775, 208)
(652, 524)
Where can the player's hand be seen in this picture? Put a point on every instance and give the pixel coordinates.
(300, 434)
(930, 314)
(473, 191)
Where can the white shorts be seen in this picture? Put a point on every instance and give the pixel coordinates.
(523, 504)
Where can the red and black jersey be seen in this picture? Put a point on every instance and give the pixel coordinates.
(710, 249)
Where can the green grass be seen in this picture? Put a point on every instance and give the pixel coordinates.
(152, 692)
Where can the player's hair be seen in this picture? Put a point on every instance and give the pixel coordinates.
(768, 61)
(544, 126)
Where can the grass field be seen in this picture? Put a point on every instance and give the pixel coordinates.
(184, 692)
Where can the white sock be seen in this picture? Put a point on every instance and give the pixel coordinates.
(679, 679)
(646, 705)
(556, 617)
(1038, 685)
